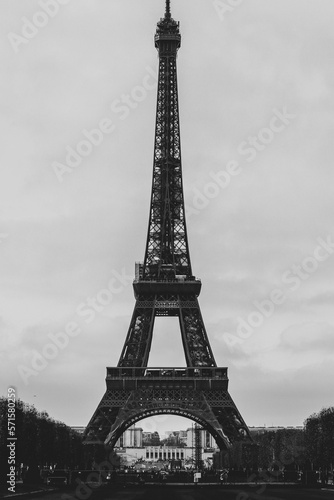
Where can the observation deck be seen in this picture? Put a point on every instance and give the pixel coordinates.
(168, 30)
(198, 378)
(169, 286)
(167, 36)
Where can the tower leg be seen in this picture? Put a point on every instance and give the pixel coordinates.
(194, 337)
(139, 338)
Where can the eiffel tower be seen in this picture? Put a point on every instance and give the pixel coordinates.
(164, 285)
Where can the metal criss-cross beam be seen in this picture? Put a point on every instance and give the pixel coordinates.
(167, 251)
(164, 285)
(197, 394)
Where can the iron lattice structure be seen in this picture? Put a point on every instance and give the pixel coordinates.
(165, 286)
(197, 447)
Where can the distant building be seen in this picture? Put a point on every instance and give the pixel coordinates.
(264, 429)
(176, 438)
(135, 437)
(151, 438)
(153, 455)
(79, 430)
(207, 441)
(138, 447)
(131, 438)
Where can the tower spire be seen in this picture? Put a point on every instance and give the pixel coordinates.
(168, 14)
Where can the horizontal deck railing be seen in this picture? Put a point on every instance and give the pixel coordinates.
(162, 373)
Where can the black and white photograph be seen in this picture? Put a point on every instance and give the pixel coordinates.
(167, 249)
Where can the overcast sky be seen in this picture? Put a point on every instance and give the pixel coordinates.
(257, 114)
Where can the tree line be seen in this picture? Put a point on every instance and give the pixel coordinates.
(310, 448)
(40, 441)
(43, 442)
(319, 439)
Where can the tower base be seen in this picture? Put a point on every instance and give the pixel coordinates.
(199, 394)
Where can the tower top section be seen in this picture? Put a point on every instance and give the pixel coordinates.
(168, 33)
(167, 9)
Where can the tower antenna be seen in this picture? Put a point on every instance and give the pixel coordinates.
(168, 14)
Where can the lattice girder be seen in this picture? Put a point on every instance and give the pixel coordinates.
(213, 410)
(195, 341)
(167, 246)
